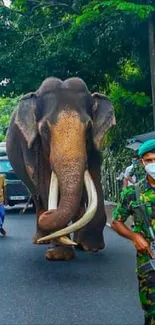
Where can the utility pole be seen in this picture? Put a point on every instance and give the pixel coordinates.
(151, 31)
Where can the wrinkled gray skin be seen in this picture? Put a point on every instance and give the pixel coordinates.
(34, 152)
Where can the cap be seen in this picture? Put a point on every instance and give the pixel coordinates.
(147, 146)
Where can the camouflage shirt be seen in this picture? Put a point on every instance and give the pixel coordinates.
(127, 207)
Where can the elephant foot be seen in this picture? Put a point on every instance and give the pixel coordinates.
(39, 234)
(60, 254)
(89, 241)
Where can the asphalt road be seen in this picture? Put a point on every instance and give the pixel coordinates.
(93, 289)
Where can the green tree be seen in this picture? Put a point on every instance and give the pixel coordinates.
(43, 38)
(7, 106)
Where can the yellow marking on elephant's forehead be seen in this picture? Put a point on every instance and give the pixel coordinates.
(68, 136)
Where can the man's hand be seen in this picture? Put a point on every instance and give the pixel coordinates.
(139, 241)
(142, 244)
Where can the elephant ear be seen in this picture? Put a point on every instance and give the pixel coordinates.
(103, 117)
(25, 118)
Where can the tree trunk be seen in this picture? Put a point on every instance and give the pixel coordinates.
(152, 62)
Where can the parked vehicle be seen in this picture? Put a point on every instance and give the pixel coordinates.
(2, 149)
(17, 192)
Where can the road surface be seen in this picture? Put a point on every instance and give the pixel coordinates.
(93, 289)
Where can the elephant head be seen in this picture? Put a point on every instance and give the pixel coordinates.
(70, 123)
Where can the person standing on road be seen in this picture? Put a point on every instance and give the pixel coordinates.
(138, 172)
(139, 201)
(134, 172)
(3, 200)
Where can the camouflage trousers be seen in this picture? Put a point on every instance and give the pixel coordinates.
(147, 296)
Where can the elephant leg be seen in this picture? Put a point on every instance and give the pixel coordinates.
(39, 232)
(90, 238)
(60, 253)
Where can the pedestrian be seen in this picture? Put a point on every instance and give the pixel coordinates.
(128, 169)
(137, 172)
(134, 172)
(139, 201)
(3, 200)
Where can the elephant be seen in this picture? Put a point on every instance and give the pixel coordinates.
(53, 143)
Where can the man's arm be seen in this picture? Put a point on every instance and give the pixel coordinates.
(138, 240)
(126, 176)
(121, 214)
(125, 182)
(130, 176)
(122, 229)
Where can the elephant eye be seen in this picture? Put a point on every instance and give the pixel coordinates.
(46, 131)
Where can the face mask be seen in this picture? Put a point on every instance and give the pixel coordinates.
(134, 162)
(150, 169)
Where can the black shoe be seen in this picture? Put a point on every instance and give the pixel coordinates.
(2, 231)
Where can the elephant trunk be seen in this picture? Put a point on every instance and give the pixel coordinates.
(70, 180)
(68, 158)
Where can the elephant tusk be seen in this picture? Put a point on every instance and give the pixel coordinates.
(63, 240)
(66, 241)
(86, 218)
(53, 192)
(52, 204)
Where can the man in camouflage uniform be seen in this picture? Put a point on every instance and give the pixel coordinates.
(140, 235)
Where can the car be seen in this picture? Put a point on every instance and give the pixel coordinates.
(3, 149)
(17, 192)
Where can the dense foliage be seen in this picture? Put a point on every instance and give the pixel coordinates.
(103, 42)
(7, 105)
